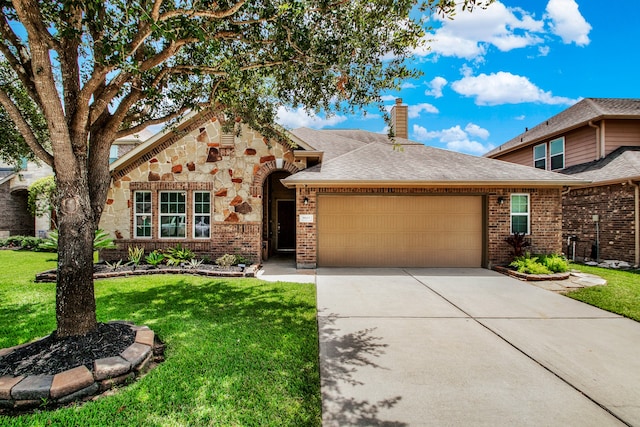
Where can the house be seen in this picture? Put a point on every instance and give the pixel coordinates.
(598, 140)
(334, 197)
(16, 220)
(14, 191)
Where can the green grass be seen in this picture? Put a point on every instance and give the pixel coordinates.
(621, 295)
(239, 352)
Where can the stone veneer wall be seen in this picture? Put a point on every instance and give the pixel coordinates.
(196, 160)
(614, 204)
(545, 211)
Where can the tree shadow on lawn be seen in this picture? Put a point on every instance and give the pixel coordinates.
(228, 337)
(234, 348)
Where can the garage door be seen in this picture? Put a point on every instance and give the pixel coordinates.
(400, 231)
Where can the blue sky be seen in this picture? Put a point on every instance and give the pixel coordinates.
(492, 73)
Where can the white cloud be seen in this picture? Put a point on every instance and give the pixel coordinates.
(415, 110)
(408, 85)
(543, 50)
(475, 130)
(292, 119)
(470, 34)
(435, 87)
(567, 22)
(388, 98)
(455, 138)
(505, 88)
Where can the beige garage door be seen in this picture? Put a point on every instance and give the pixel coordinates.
(400, 231)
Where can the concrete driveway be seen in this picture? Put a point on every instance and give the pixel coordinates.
(469, 347)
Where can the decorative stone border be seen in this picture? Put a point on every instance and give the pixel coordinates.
(250, 271)
(26, 392)
(531, 277)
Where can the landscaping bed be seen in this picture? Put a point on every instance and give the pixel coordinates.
(50, 372)
(531, 277)
(104, 271)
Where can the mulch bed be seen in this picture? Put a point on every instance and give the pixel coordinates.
(51, 356)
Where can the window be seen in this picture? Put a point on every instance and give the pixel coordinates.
(520, 213)
(201, 214)
(142, 214)
(540, 156)
(173, 208)
(556, 151)
(113, 153)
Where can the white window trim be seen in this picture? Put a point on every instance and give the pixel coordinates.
(160, 214)
(136, 214)
(194, 214)
(528, 214)
(551, 156)
(535, 159)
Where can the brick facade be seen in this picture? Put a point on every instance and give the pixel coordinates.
(15, 219)
(545, 217)
(614, 204)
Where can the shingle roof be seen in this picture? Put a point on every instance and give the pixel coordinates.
(575, 116)
(378, 162)
(621, 165)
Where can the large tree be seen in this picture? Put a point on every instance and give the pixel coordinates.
(98, 70)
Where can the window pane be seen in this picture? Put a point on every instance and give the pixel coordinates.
(557, 162)
(202, 226)
(143, 226)
(556, 146)
(539, 152)
(540, 164)
(519, 204)
(519, 224)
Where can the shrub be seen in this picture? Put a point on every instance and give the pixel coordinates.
(154, 258)
(135, 255)
(226, 260)
(178, 255)
(529, 265)
(101, 240)
(518, 242)
(30, 242)
(555, 263)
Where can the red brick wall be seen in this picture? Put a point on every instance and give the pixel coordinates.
(545, 211)
(614, 204)
(238, 239)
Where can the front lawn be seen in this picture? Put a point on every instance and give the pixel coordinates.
(621, 295)
(238, 351)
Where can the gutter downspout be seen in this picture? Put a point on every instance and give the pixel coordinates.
(598, 147)
(637, 222)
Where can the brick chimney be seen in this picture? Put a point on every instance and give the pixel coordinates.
(399, 119)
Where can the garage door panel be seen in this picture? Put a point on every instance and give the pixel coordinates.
(407, 231)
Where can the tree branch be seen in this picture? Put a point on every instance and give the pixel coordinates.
(158, 121)
(24, 128)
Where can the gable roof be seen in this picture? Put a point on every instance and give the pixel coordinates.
(621, 165)
(578, 115)
(375, 160)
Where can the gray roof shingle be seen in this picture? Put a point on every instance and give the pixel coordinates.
(406, 162)
(621, 165)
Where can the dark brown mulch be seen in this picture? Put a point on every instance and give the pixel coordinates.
(52, 356)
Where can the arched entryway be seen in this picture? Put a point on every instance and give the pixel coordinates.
(279, 215)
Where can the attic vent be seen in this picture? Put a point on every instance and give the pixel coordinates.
(227, 140)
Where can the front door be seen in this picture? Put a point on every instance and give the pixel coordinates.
(286, 225)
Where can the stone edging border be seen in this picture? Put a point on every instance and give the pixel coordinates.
(250, 271)
(26, 392)
(531, 277)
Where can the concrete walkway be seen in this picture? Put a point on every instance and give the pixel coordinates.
(445, 347)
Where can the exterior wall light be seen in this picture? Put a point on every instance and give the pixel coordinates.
(501, 200)
(305, 200)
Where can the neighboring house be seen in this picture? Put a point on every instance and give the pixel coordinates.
(14, 191)
(334, 197)
(598, 140)
(16, 220)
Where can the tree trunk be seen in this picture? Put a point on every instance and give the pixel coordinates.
(75, 299)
